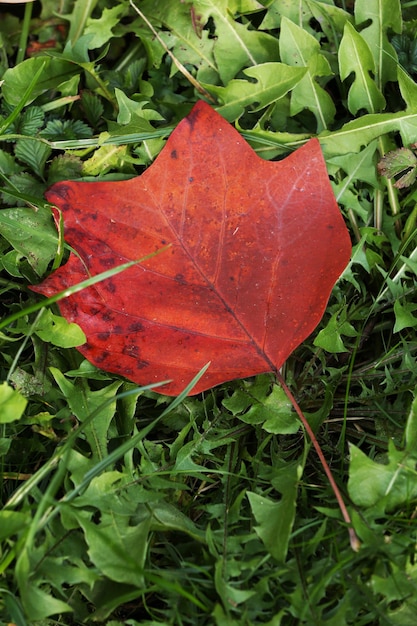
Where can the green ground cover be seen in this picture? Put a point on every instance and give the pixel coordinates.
(123, 506)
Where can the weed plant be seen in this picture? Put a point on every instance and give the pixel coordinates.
(123, 506)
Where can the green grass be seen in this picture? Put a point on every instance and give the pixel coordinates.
(123, 506)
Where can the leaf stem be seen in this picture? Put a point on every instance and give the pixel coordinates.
(354, 541)
(24, 35)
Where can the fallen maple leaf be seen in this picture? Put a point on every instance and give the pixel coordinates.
(256, 247)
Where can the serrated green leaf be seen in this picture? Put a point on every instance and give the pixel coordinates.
(273, 81)
(64, 167)
(101, 29)
(116, 550)
(130, 109)
(82, 401)
(28, 122)
(355, 57)
(8, 164)
(78, 18)
(92, 107)
(236, 46)
(361, 131)
(357, 166)
(188, 42)
(30, 189)
(274, 520)
(104, 159)
(40, 604)
(299, 48)
(56, 130)
(404, 317)
(33, 153)
(330, 337)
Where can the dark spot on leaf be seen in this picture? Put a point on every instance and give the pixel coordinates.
(180, 278)
(110, 286)
(136, 327)
(107, 317)
(190, 179)
(131, 350)
(174, 154)
(100, 358)
(118, 330)
(140, 365)
(107, 262)
(103, 336)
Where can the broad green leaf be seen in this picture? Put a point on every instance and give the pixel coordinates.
(357, 166)
(129, 109)
(230, 594)
(117, 549)
(297, 11)
(12, 522)
(387, 485)
(355, 57)
(274, 411)
(31, 233)
(332, 19)
(330, 337)
(384, 15)
(271, 82)
(275, 519)
(361, 131)
(56, 330)
(236, 45)
(12, 404)
(165, 517)
(40, 604)
(299, 48)
(16, 79)
(404, 317)
(81, 11)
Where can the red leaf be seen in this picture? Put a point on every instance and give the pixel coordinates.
(256, 249)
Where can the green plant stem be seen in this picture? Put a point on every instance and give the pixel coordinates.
(24, 35)
(391, 192)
